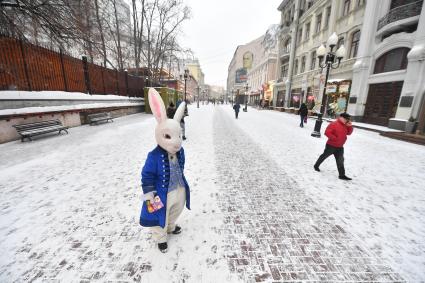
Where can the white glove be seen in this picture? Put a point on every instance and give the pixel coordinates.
(149, 196)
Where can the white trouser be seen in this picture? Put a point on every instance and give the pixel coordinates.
(176, 200)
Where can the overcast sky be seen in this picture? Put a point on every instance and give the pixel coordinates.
(217, 27)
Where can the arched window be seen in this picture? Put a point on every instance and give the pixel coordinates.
(296, 66)
(313, 60)
(302, 64)
(355, 39)
(340, 42)
(393, 60)
(287, 46)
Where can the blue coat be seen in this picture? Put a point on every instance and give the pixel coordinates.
(156, 177)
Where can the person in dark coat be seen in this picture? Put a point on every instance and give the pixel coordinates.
(171, 110)
(337, 133)
(236, 107)
(303, 111)
(182, 123)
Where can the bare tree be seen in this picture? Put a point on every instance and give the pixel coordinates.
(101, 32)
(118, 34)
(54, 18)
(138, 28)
(162, 22)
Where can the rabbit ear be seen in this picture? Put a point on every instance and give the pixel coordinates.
(180, 112)
(157, 105)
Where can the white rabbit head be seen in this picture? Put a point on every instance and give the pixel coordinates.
(168, 132)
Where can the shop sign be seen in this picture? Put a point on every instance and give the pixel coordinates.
(331, 89)
(241, 76)
(344, 88)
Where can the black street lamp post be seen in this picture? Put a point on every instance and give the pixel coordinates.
(186, 77)
(246, 98)
(332, 60)
(198, 88)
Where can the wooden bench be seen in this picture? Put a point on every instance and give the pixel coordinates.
(99, 117)
(38, 128)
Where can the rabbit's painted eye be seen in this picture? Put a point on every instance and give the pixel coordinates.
(167, 136)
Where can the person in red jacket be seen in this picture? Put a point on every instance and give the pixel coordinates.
(337, 135)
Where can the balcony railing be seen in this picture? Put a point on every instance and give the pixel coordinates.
(400, 13)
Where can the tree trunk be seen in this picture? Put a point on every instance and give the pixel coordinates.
(102, 36)
(117, 25)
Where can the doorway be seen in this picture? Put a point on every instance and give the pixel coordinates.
(382, 102)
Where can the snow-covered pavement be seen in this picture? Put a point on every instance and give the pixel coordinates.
(70, 204)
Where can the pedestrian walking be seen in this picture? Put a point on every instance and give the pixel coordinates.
(336, 132)
(165, 189)
(303, 111)
(171, 110)
(182, 123)
(236, 107)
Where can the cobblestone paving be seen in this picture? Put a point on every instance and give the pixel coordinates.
(276, 232)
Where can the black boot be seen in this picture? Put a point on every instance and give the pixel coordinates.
(177, 230)
(163, 247)
(343, 177)
(316, 168)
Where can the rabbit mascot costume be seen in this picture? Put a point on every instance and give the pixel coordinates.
(163, 182)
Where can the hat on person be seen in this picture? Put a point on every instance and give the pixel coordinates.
(345, 116)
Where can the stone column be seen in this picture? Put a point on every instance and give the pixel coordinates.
(361, 68)
(414, 82)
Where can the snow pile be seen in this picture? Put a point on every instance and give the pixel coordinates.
(60, 95)
(65, 108)
(103, 101)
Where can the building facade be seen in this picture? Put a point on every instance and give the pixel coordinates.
(253, 68)
(389, 73)
(305, 25)
(195, 70)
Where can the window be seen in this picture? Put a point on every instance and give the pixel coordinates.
(296, 67)
(318, 23)
(355, 39)
(300, 35)
(309, 4)
(393, 60)
(360, 3)
(328, 16)
(346, 7)
(398, 3)
(321, 60)
(302, 64)
(340, 42)
(285, 71)
(287, 46)
(313, 60)
(307, 31)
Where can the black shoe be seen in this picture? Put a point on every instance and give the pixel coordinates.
(163, 247)
(316, 168)
(345, 178)
(184, 138)
(177, 230)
